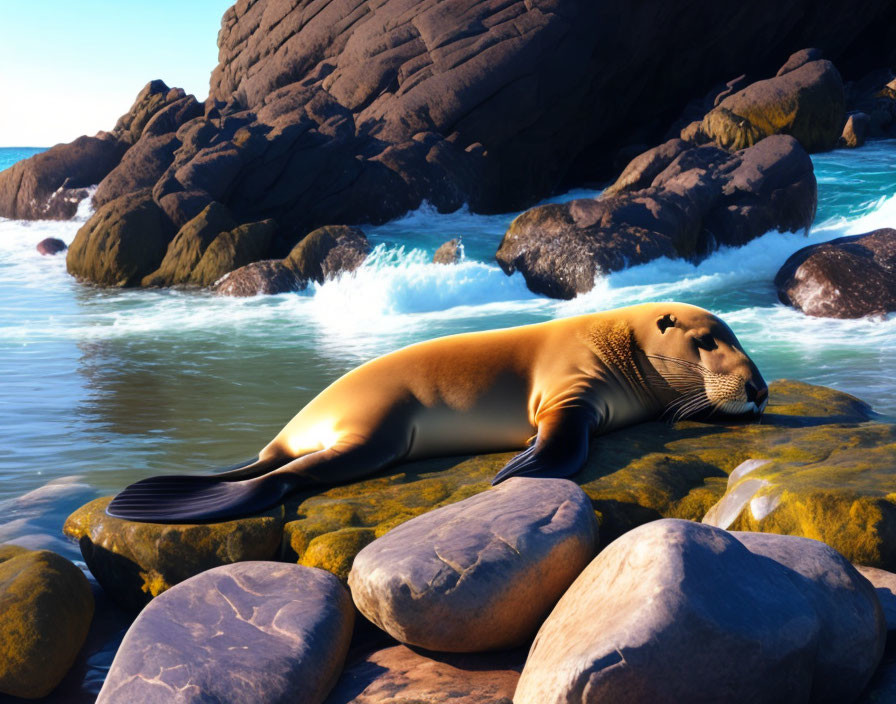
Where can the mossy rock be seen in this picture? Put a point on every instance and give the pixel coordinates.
(635, 475)
(232, 249)
(45, 611)
(135, 562)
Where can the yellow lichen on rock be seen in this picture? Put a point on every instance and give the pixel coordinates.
(46, 607)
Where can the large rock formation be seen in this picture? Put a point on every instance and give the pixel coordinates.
(848, 277)
(346, 111)
(675, 201)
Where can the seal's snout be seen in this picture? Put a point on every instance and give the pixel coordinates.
(757, 394)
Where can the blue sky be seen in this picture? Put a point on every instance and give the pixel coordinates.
(71, 67)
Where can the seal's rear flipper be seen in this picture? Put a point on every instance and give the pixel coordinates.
(188, 498)
(560, 448)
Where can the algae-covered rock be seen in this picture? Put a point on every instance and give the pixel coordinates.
(45, 610)
(135, 562)
(635, 475)
(232, 249)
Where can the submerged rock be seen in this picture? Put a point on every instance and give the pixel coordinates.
(267, 277)
(634, 475)
(848, 277)
(746, 625)
(45, 610)
(399, 674)
(673, 201)
(260, 632)
(135, 562)
(51, 245)
(450, 252)
(480, 574)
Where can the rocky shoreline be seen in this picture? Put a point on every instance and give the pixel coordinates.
(445, 564)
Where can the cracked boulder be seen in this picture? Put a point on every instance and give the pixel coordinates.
(261, 632)
(481, 574)
(745, 620)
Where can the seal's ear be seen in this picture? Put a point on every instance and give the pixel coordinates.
(664, 322)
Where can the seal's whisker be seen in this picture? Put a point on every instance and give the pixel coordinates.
(693, 406)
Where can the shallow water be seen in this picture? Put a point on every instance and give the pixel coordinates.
(101, 388)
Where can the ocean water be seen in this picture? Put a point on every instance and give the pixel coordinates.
(100, 388)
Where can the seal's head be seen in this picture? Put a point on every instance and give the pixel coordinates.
(703, 365)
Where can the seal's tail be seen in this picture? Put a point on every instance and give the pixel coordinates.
(189, 498)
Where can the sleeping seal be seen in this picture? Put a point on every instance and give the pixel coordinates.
(547, 387)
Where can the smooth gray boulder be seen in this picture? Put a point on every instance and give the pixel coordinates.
(885, 586)
(253, 632)
(399, 675)
(853, 632)
(480, 574)
(675, 611)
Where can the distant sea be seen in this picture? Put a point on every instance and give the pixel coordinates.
(99, 388)
(10, 155)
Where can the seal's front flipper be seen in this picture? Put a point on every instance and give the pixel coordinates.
(188, 498)
(560, 449)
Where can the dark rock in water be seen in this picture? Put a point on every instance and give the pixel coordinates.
(875, 96)
(701, 198)
(328, 251)
(267, 277)
(232, 249)
(51, 245)
(854, 130)
(848, 277)
(124, 241)
(189, 244)
(449, 252)
(399, 674)
(45, 610)
(47, 186)
(805, 101)
(480, 574)
(260, 632)
(853, 630)
(765, 618)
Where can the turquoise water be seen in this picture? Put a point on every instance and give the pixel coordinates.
(101, 388)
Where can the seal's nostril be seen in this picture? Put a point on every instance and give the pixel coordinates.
(752, 392)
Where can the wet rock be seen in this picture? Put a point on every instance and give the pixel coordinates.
(805, 100)
(848, 277)
(255, 632)
(135, 562)
(189, 244)
(701, 198)
(232, 249)
(853, 630)
(399, 674)
(49, 185)
(124, 241)
(45, 612)
(51, 245)
(266, 277)
(634, 475)
(884, 584)
(450, 252)
(328, 251)
(854, 130)
(480, 574)
(674, 597)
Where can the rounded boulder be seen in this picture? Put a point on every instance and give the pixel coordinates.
(261, 632)
(481, 574)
